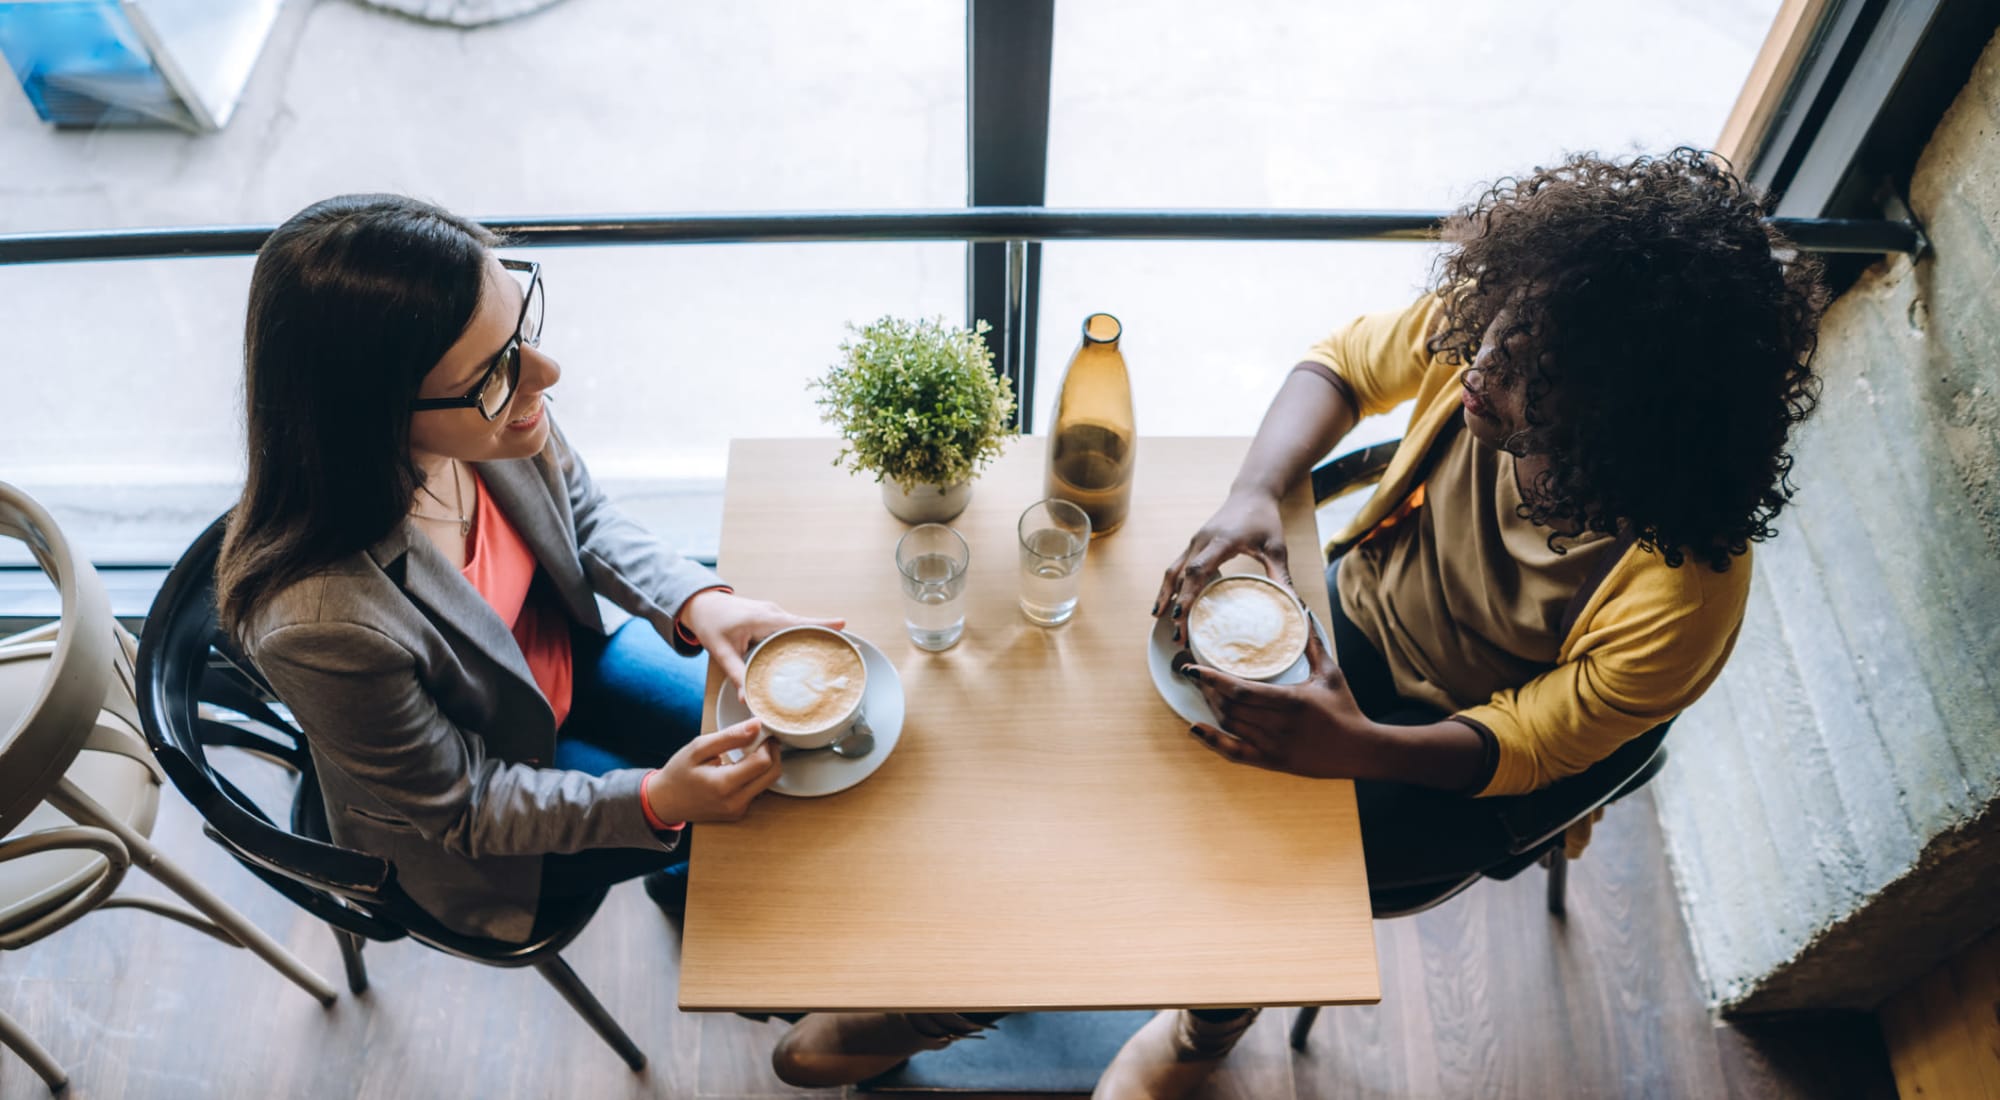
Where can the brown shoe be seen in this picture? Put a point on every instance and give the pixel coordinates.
(1171, 1056)
(843, 1048)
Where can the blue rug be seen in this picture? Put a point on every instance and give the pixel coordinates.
(1026, 1052)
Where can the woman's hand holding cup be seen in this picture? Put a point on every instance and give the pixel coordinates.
(1313, 729)
(701, 784)
(1248, 522)
(728, 625)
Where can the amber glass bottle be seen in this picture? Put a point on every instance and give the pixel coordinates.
(1094, 443)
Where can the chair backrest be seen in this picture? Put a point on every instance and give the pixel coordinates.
(1539, 821)
(45, 738)
(1541, 817)
(185, 660)
(1353, 470)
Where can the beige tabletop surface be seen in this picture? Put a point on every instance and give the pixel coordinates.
(1046, 835)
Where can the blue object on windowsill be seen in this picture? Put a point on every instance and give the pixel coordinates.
(99, 63)
(82, 64)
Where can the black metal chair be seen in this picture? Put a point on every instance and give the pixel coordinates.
(186, 661)
(1536, 823)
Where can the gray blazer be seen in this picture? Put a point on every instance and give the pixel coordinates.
(433, 743)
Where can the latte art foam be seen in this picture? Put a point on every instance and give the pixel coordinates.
(804, 681)
(1248, 627)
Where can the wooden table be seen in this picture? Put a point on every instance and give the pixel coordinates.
(1047, 835)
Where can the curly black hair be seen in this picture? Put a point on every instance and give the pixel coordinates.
(1669, 341)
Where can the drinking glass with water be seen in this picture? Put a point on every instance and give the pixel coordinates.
(933, 559)
(1054, 536)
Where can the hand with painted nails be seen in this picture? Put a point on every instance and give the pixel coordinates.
(1247, 523)
(1313, 728)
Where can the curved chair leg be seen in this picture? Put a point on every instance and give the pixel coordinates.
(84, 810)
(350, 957)
(586, 1004)
(1557, 861)
(32, 1053)
(173, 913)
(1303, 1025)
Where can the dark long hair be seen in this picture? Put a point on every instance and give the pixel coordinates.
(352, 302)
(1670, 336)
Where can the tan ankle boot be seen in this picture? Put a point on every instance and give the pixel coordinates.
(1171, 1056)
(842, 1048)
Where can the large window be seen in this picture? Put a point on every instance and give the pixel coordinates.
(1403, 106)
(594, 106)
(591, 106)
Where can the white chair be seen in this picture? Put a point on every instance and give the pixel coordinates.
(78, 786)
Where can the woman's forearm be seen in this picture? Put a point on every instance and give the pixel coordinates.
(1450, 755)
(1309, 415)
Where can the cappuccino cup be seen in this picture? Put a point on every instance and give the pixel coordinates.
(1248, 626)
(806, 683)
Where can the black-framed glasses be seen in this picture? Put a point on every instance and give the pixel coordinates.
(496, 387)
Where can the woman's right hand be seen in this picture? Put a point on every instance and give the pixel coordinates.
(698, 784)
(1247, 523)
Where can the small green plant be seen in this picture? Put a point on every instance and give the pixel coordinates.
(917, 402)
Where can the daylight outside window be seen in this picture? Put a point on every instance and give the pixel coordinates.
(669, 352)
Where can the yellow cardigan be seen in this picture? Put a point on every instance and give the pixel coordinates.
(1645, 645)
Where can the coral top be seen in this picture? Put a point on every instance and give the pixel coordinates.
(500, 565)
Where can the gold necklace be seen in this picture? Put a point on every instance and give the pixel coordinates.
(460, 517)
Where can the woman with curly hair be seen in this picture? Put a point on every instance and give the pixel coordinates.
(1626, 346)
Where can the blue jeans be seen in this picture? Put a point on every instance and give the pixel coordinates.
(634, 703)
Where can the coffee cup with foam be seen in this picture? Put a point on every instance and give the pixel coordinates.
(806, 683)
(1248, 626)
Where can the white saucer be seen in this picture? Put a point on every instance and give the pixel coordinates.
(1187, 699)
(812, 774)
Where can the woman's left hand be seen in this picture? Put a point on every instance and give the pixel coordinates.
(728, 625)
(1313, 728)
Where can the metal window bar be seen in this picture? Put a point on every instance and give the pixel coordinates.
(1014, 227)
(1009, 45)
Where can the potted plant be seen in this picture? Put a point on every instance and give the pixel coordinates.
(918, 405)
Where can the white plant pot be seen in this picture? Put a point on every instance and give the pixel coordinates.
(926, 503)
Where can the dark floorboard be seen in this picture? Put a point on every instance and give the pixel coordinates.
(1486, 996)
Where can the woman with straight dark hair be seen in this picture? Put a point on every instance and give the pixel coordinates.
(414, 564)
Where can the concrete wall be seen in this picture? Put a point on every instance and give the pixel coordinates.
(1832, 808)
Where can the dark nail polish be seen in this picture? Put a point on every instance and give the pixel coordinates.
(1177, 609)
(1196, 731)
(1190, 672)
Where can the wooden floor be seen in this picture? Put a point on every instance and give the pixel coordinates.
(1487, 996)
(1944, 1031)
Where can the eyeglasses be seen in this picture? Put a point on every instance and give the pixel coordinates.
(496, 387)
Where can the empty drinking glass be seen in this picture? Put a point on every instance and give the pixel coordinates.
(1054, 536)
(933, 559)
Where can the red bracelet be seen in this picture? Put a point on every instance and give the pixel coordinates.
(646, 806)
(681, 631)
